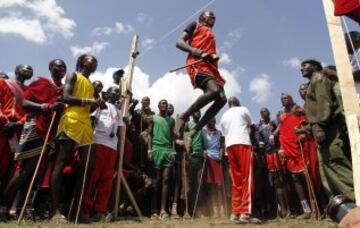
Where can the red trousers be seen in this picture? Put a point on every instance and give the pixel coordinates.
(6, 156)
(101, 180)
(241, 168)
(314, 169)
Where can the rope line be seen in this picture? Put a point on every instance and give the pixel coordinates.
(351, 42)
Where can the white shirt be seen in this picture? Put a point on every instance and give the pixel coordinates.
(109, 120)
(235, 126)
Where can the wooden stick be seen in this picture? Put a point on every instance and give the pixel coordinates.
(132, 198)
(36, 169)
(347, 87)
(185, 182)
(184, 66)
(199, 188)
(310, 187)
(119, 170)
(224, 189)
(71, 207)
(126, 91)
(83, 184)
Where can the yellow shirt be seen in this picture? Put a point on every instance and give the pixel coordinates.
(75, 120)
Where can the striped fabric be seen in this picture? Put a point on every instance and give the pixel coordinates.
(30, 141)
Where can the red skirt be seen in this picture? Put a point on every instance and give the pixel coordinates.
(273, 162)
(213, 173)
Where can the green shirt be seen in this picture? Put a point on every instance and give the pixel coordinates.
(197, 147)
(161, 135)
(321, 104)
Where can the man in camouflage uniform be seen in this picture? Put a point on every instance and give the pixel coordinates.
(329, 129)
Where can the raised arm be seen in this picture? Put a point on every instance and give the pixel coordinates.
(182, 43)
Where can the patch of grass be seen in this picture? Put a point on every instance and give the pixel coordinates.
(181, 223)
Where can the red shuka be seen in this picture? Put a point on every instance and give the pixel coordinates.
(203, 39)
(288, 141)
(43, 91)
(9, 110)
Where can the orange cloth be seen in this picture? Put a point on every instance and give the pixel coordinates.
(288, 142)
(273, 162)
(10, 111)
(204, 40)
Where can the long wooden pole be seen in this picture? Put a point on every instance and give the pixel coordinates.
(43, 149)
(83, 184)
(126, 89)
(347, 87)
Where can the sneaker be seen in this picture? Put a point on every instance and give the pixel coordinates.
(249, 219)
(234, 218)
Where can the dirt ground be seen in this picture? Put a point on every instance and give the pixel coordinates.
(181, 223)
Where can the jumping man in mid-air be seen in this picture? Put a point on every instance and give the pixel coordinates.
(198, 40)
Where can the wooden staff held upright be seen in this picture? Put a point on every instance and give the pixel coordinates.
(36, 169)
(126, 92)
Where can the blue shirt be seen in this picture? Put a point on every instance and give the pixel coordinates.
(263, 135)
(211, 140)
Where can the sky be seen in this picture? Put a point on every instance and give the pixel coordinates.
(261, 43)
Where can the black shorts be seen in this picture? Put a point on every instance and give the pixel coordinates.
(201, 79)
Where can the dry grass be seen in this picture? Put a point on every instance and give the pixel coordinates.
(201, 223)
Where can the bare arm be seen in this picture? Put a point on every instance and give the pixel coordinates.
(150, 130)
(182, 43)
(32, 106)
(68, 98)
(132, 107)
(45, 107)
(68, 90)
(172, 136)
